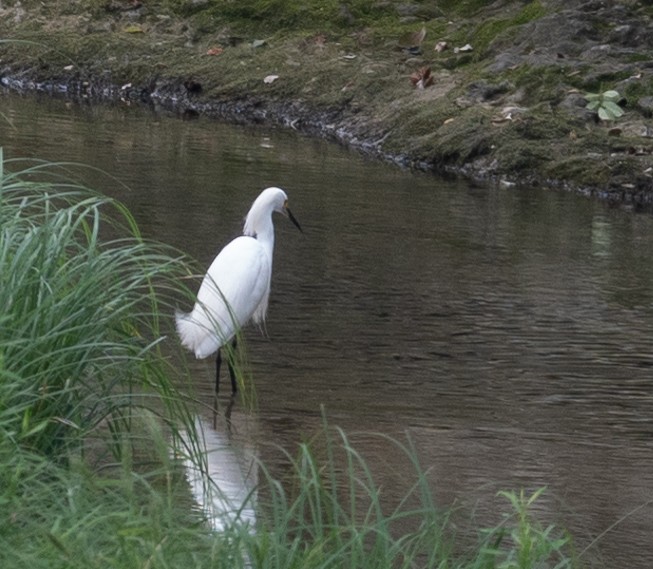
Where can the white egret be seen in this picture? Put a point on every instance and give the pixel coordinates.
(236, 287)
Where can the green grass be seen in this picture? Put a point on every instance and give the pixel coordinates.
(330, 512)
(80, 333)
(77, 517)
(89, 412)
(264, 16)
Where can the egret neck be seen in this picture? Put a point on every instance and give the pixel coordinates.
(258, 223)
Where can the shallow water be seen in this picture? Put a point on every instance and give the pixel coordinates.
(508, 331)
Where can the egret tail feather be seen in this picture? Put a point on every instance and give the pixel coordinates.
(194, 335)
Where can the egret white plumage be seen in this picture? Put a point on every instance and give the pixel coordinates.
(236, 286)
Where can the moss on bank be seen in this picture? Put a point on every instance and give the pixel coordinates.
(506, 101)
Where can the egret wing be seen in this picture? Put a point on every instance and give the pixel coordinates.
(234, 286)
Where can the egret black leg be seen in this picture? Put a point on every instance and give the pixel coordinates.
(232, 371)
(230, 365)
(218, 363)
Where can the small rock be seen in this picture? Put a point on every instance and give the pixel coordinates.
(646, 131)
(193, 87)
(575, 105)
(463, 102)
(481, 91)
(645, 105)
(412, 40)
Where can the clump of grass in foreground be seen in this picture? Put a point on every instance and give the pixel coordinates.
(74, 517)
(331, 513)
(88, 408)
(79, 328)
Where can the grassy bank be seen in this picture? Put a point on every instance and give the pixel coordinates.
(96, 425)
(508, 100)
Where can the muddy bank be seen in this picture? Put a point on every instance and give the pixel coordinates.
(496, 91)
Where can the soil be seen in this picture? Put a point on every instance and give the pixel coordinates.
(494, 90)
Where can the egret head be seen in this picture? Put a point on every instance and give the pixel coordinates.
(268, 201)
(286, 211)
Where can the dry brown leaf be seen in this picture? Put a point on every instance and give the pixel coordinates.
(422, 78)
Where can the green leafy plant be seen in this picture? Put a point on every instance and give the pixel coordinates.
(606, 104)
(521, 542)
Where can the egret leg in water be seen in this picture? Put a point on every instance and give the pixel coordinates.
(230, 366)
(236, 286)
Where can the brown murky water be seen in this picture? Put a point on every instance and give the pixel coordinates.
(507, 331)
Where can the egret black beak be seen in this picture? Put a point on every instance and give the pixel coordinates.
(292, 218)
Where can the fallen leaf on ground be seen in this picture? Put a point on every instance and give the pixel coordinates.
(508, 114)
(422, 78)
(134, 29)
(463, 49)
(215, 50)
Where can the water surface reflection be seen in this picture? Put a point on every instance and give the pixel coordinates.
(508, 331)
(229, 494)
